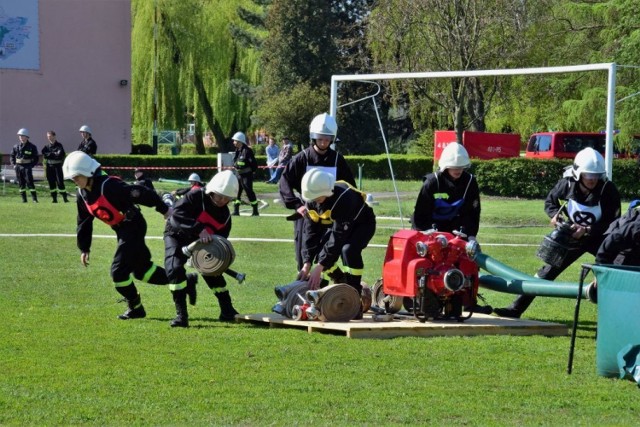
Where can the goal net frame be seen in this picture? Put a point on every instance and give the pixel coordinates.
(611, 88)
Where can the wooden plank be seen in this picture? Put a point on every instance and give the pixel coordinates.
(478, 324)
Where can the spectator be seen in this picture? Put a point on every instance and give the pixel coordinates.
(53, 154)
(272, 151)
(24, 157)
(87, 145)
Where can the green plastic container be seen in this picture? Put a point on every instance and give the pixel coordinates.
(618, 314)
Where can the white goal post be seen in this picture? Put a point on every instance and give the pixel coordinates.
(611, 88)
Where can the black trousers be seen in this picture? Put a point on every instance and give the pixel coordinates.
(55, 177)
(246, 184)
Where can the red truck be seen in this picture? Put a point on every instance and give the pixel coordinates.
(480, 145)
(563, 145)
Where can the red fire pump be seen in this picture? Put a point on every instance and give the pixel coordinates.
(431, 273)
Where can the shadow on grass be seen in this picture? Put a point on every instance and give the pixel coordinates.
(215, 322)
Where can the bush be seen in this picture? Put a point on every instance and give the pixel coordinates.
(512, 177)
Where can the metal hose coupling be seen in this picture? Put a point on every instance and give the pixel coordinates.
(213, 258)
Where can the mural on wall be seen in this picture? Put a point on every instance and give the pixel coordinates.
(19, 35)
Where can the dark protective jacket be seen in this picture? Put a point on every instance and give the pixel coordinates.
(622, 238)
(88, 146)
(53, 153)
(182, 191)
(25, 155)
(195, 211)
(244, 161)
(119, 195)
(292, 176)
(605, 195)
(342, 212)
(448, 204)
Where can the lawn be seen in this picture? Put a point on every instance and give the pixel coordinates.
(66, 359)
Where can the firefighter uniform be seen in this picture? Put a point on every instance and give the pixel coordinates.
(24, 156)
(88, 146)
(448, 204)
(114, 202)
(246, 164)
(290, 183)
(53, 154)
(351, 224)
(192, 213)
(596, 210)
(621, 244)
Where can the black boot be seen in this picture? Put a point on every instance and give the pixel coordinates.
(64, 197)
(182, 315)
(135, 309)
(337, 276)
(192, 293)
(34, 197)
(54, 197)
(255, 210)
(227, 312)
(236, 209)
(517, 307)
(24, 197)
(354, 281)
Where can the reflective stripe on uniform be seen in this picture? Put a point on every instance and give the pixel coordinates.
(123, 283)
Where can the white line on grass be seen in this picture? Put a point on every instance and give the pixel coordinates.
(233, 239)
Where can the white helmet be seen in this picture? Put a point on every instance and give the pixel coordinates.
(323, 125)
(194, 177)
(454, 155)
(85, 128)
(588, 160)
(224, 183)
(24, 132)
(79, 163)
(317, 183)
(240, 137)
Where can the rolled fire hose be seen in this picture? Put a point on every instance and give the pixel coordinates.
(294, 290)
(337, 303)
(213, 258)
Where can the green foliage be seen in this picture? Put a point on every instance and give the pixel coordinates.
(289, 112)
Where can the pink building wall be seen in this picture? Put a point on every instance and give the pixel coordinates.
(85, 51)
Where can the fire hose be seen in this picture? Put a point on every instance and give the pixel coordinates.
(334, 303)
(213, 258)
(337, 303)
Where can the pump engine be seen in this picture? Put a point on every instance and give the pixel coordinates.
(432, 274)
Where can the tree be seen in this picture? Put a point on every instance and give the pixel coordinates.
(196, 61)
(442, 35)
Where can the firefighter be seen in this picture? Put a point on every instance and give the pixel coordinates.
(195, 183)
(53, 155)
(319, 155)
(199, 215)
(449, 198)
(87, 145)
(114, 202)
(352, 225)
(141, 179)
(24, 157)
(621, 245)
(245, 163)
(590, 203)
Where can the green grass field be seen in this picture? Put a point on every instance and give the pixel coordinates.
(66, 359)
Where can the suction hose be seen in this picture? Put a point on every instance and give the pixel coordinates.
(508, 280)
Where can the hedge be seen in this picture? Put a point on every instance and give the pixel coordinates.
(512, 177)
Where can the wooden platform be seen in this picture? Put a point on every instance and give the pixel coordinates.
(478, 324)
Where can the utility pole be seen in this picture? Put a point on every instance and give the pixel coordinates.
(155, 77)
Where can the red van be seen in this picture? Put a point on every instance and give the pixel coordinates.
(563, 145)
